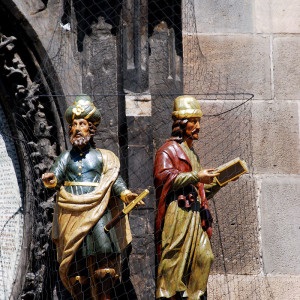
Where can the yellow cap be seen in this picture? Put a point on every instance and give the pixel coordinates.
(186, 107)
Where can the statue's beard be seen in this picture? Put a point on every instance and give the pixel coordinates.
(80, 141)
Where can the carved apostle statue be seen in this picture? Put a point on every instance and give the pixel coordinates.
(183, 220)
(86, 178)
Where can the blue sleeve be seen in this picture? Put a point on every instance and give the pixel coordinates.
(59, 167)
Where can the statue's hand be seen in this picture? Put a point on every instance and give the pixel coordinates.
(49, 180)
(207, 175)
(128, 196)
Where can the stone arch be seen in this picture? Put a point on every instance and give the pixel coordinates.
(35, 126)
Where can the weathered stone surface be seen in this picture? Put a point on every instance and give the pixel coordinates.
(140, 162)
(235, 241)
(49, 36)
(231, 63)
(138, 105)
(142, 273)
(223, 16)
(248, 16)
(277, 16)
(140, 156)
(140, 132)
(242, 287)
(279, 219)
(142, 222)
(225, 130)
(286, 61)
(140, 170)
(142, 259)
(165, 82)
(11, 211)
(161, 119)
(271, 66)
(275, 137)
(135, 46)
(225, 134)
(100, 80)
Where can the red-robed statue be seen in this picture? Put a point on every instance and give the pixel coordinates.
(183, 221)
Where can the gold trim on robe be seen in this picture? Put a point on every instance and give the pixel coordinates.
(75, 215)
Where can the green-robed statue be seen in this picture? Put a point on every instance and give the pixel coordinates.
(86, 178)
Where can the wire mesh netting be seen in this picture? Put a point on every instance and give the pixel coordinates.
(116, 51)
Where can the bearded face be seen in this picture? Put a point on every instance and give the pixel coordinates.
(192, 129)
(80, 133)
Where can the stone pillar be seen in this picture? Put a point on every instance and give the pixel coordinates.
(135, 45)
(100, 80)
(135, 60)
(165, 80)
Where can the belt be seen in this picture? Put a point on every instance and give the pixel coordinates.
(72, 183)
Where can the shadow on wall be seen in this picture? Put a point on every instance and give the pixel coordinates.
(87, 13)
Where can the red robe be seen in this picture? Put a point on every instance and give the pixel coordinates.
(183, 248)
(170, 161)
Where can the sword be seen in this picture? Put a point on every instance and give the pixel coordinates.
(129, 207)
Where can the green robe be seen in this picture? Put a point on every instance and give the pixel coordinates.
(82, 211)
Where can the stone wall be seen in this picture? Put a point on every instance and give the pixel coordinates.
(254, 46)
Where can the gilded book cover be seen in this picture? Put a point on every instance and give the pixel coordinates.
(231, 170)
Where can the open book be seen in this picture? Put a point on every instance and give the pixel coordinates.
(231, 170)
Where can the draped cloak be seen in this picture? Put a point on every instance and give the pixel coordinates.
(183, 249)
(75, 216)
